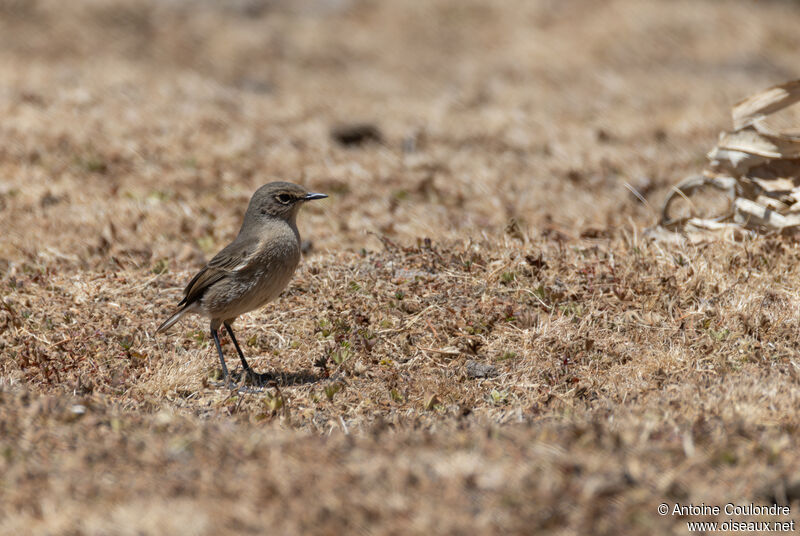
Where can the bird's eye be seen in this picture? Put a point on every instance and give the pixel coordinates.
(283, 199)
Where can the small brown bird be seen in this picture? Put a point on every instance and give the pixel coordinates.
(253, 269)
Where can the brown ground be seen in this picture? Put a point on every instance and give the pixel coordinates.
(621, 373)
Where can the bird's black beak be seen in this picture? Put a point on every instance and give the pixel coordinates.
(311, 197)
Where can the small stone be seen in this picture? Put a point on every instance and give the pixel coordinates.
(480, 370)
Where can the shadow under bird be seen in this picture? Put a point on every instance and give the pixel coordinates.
(253, 269)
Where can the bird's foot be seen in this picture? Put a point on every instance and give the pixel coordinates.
(220, 379)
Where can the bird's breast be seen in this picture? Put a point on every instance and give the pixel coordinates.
(261, 282)
(272, 271)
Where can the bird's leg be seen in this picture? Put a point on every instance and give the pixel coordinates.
(221, 357)
(238, 350)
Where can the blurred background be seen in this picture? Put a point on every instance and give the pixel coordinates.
(440, 119)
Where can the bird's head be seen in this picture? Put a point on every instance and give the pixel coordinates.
(279, 200)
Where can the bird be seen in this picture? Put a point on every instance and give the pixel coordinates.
(253, 269)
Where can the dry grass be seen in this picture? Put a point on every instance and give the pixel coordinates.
(479, 341)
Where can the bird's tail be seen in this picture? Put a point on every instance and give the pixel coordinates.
(171, 320)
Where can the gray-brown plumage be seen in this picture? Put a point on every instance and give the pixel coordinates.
(253, 269)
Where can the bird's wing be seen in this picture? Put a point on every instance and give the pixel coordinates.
(236, 256)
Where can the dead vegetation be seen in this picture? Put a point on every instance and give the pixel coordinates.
(478, 340)
(753, 170)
